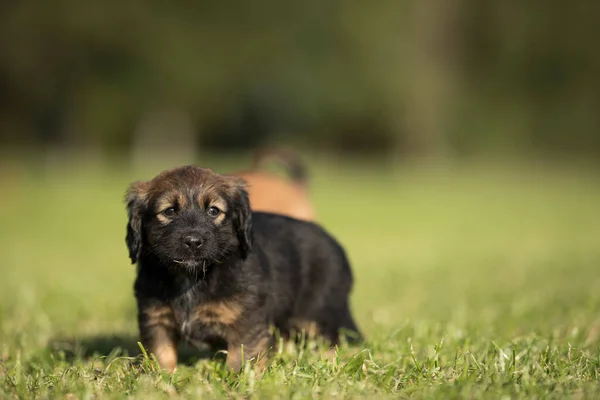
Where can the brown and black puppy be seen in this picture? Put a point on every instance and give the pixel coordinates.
(209, 269)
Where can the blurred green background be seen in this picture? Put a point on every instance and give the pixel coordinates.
(452, 148)
(390, 78)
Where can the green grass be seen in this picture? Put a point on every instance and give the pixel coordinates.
(471, 281)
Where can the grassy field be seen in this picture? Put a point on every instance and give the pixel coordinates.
(471, 281)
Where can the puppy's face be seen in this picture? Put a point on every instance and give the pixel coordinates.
(187, 217)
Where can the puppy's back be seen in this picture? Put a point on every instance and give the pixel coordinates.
(306, 241)
(309, 271)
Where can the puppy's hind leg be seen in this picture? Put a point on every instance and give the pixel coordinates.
(348, 328)
(339, 324)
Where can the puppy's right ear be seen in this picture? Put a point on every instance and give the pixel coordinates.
(137, 202)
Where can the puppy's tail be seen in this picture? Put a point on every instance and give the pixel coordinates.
(294, 165)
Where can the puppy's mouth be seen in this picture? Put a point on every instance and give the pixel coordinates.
(190, 262)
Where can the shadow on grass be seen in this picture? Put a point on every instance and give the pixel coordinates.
(119, 345)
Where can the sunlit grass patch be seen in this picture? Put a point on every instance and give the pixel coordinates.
(470, 282)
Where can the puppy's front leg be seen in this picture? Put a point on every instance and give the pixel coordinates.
(158, 333)
(252, 345)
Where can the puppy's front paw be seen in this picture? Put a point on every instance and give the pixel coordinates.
(254, 351)
(167, 358)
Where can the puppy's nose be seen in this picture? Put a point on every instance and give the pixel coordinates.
(192, 241)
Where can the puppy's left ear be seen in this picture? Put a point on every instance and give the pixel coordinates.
(242, 215)
(136, 200)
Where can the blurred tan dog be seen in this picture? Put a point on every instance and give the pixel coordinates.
(271, 193)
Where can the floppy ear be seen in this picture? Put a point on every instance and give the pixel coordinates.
(136, 199)
(242, 216)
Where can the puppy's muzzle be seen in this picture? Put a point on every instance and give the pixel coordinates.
(192, 242)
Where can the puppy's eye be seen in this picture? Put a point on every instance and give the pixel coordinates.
(213, 211)
(169, 212)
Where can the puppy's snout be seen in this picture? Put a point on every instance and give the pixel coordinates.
(192, 241)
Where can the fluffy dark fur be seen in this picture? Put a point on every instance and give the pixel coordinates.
(209, 270)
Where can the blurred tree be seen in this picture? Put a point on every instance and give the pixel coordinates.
(413, 77)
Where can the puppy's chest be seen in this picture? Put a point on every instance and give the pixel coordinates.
(200, 316)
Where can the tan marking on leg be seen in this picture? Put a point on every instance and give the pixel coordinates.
(330, 355)
(311, 328)
(252, 350)
(159, 316)
(234, 357)
(165, 351)
(261, 357)
(158, 331)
